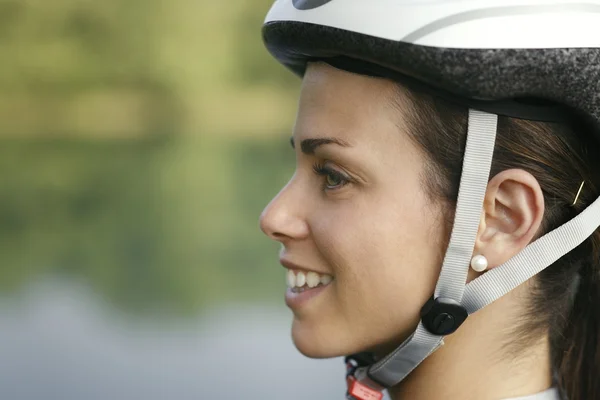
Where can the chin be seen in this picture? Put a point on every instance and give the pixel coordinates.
(313, 350)
(313, 342)
(325, 341)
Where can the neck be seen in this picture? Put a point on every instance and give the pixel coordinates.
(479, 361)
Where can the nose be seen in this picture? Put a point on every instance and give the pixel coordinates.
(283, 219)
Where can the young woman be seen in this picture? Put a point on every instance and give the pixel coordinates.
(440, 228)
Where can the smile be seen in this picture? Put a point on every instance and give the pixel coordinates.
(303, 286)
(301, 281)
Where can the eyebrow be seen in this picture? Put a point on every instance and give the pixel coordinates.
(309, 146)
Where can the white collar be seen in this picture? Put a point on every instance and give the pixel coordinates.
(550, 394)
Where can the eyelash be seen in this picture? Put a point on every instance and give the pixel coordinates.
(325, 171)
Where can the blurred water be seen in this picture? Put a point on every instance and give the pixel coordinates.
(59, 341)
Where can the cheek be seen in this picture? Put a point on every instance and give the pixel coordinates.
(381, 243)
(379, 239)
(385, 256)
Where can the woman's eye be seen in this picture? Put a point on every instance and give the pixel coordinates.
(332, 178)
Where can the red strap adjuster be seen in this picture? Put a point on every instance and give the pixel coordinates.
(360, 391)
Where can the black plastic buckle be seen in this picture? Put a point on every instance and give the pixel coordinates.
(443, 316)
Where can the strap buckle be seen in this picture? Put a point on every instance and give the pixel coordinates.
(443, 316)
(358, 389)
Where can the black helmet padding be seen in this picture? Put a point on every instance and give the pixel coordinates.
(490, 78)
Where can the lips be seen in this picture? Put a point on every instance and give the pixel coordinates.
(303, 284)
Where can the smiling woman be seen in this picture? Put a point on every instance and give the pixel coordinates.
(429, 233)
(355, 201)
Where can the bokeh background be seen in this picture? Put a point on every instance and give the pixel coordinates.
(139, 142)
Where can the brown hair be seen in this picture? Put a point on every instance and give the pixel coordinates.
(565, 302)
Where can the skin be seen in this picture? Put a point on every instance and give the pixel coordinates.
(371, 225)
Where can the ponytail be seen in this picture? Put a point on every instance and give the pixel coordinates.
(579, 357)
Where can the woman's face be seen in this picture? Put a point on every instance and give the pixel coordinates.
(355, 210)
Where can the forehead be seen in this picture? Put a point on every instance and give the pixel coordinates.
(326, 86)
(343, 104)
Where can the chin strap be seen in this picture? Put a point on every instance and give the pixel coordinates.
(453, 301)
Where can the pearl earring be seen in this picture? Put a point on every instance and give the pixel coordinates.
(479, 263)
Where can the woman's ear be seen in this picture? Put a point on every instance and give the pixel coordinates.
(513, 211)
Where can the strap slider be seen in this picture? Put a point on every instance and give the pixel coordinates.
(360, 388)
(443, 316)
(359, 391)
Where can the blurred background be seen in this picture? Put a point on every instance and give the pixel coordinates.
(140, 141)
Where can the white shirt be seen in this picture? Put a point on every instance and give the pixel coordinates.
(550, 394)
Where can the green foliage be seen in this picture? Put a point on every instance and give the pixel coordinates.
(158, 225)
(72, 43)
(154, 216)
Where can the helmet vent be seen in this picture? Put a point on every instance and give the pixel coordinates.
(309, 4)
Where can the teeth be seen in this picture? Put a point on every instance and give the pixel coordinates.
(291, 279)
(312, 279)
(300, 279)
